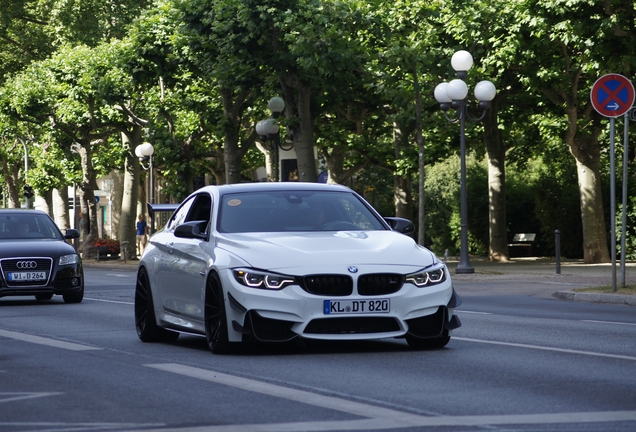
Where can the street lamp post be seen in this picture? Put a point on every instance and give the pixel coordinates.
(144, 152)
(455, 95)
(269, 130)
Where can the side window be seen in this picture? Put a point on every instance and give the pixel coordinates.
(180, 215)
(201, 209)
(197, 208)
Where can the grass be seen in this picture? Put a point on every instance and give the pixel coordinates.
(627, 289)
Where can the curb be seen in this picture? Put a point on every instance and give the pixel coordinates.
(130, 264)
(629, 300)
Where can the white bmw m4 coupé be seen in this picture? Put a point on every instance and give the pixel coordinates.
(276, 261)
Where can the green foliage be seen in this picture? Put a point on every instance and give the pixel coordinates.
(372, 183)
(443, 219)
(540, 201)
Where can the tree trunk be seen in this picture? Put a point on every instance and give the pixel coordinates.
(303, 133)
(232, 156)
(421, 167)
(498, 244)
(10, 176)
(269, 160)
(60, 209)
(335, 159)
(402, 190)
(595, 249)
(116, 195)
(87, 199)
(128, 216)
(336, 173)
(47, 203)
(232, 152)
(304, 143)
(585, 148)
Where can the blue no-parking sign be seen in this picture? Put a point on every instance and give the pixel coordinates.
(612, 95)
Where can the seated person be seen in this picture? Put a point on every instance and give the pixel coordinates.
(20, 229)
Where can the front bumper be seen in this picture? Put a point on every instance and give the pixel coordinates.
(65, 279)
(293, 312)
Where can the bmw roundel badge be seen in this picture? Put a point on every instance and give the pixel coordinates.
(353, 269)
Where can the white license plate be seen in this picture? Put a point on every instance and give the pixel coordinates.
(26, 276)
(333, 307)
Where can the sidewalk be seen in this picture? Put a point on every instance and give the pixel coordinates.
(541, 273)
(526, 276)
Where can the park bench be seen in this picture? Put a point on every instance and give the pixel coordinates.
(522, 245)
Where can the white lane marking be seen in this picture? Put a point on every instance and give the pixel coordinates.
(377, 417)
(471, 312)
(108, 301)
(10, 397)
(74, 427)
(119, 275)
(609, 322)
(315, 399)
(46, 341)
(543, 348)
(556, 283)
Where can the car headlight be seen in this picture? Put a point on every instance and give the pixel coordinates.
(429, 277)
(263, 280)
(68, 259)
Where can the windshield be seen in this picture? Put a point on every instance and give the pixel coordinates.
(23, 226)
(295, 211)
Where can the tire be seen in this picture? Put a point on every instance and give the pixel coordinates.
(428, 343)
(47, 296)
(145, 321)
(216, 331)
(75, 297)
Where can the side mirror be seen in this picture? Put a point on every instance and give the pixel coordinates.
(401, 225)
(194, 229)
(71, 233)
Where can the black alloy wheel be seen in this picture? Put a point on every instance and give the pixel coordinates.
(145, 322)
(215, 318)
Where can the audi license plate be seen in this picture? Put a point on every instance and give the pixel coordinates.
(26, 276)
(332, 307)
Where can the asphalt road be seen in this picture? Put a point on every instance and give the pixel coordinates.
(522, 361)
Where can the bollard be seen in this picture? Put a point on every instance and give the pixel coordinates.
(557, 250)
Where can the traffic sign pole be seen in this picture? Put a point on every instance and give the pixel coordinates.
(624, 220)
(613, 203)
(613, 95)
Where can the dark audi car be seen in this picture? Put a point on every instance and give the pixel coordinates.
(36, 259)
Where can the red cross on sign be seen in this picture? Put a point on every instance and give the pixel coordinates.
(612, 95)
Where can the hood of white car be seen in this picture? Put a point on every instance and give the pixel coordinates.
(279, 251)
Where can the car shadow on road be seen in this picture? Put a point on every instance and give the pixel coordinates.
(13, 301)
(304, 346)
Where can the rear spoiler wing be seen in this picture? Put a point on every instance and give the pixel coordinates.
(153, 208)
